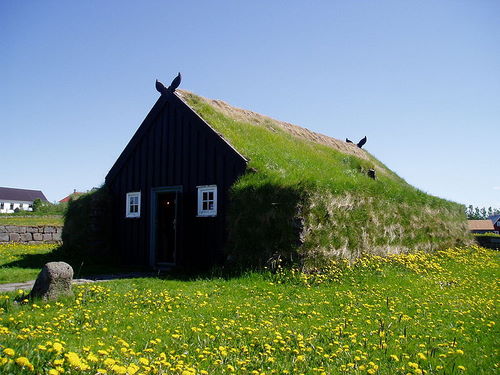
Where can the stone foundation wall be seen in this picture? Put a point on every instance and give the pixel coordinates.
(30, 234)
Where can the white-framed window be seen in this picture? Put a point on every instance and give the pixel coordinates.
(133, 204)
(207, 200)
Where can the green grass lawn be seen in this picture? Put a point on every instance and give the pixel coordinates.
(33, 220)
(407, 314)
(21, 262)
(13, 266)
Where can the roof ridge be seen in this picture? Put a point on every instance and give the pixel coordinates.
(256, 118)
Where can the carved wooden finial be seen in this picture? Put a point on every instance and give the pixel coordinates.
(175, 83)
(362, 142)
(160, 87)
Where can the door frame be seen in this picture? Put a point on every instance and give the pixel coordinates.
(152, 220)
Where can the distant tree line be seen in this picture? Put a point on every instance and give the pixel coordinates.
(46, 208)
(41, 208)
(480, 213)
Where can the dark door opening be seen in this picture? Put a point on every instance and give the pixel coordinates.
(166, 228)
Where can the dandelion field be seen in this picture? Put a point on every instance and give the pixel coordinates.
(31, 219)
(406, 314)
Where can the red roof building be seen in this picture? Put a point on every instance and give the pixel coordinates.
(74, 195)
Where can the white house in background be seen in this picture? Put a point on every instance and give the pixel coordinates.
(11, 198)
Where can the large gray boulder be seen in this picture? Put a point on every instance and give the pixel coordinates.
(53, 281)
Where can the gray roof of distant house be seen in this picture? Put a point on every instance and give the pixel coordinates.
(22, 195)
(494, 218)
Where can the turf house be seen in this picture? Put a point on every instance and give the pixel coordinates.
(203, 183)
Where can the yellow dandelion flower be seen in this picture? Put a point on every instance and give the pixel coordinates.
(24, 362)
(120, 370)
(10, 352)
(109, 362)
(132, 369)
(57, 347)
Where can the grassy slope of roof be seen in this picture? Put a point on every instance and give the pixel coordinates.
(315, 200)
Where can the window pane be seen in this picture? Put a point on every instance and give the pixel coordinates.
(207, 200)
(133, 207)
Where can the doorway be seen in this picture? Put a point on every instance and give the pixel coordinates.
(165, 226)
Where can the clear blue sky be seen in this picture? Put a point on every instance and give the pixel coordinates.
(421, 79)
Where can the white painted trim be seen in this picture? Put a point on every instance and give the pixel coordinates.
(134, 194)
(211, 212)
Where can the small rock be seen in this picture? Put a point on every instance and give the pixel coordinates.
(53, 281)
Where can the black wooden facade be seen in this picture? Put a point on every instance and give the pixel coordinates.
(171, 155)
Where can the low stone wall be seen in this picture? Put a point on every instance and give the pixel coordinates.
(30, 234)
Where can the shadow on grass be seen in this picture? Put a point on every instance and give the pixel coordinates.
(106, 268)
(83, 266)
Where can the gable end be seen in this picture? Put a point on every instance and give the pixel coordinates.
(173, 99)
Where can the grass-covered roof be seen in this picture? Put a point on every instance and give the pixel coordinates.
(316, 193)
